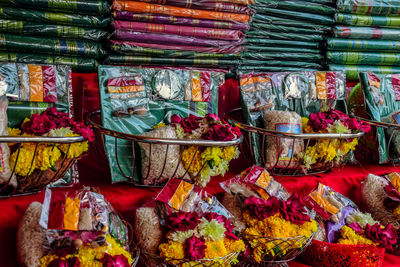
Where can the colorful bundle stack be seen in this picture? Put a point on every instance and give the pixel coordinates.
(53, 32)
(179, 32)
(286, 35)
(366, 37)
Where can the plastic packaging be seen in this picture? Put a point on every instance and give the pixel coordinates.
(281, 43)
(273, 68)
(165, 19)
(363, 58)
(282, 56)
(373, 7)
(122, 5)
(96, 7)
(285, 28)
(283, 36)
(53, 18)
(361, 20)
(296, 6)
(261, 49)
(52, 46)
(363, 45)
(353, 70)
(366, 33)
(39, 29)
(190, 31)
(284, 63)
(267, 19)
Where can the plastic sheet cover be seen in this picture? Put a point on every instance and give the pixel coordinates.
(302, 6)
(363, 58)
(281, 43)
(363, 45)
(361, 20)
(267, 49)
(366, 33)
(353, 70)
(157, 107)
(283, 35)
(372, 7)
(263, 19)
(309, 57)
(285, 29)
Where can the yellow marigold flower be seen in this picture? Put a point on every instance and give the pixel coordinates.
(172, 250)
(212, 153)
(26, 163)
(229, 152)
(306, 128)
(76, 149)
(234, 245)
(350, 237)
(160, 125)
(14, 131)
(45, 260)
(46, 156)
(215, 249)
(187, 156)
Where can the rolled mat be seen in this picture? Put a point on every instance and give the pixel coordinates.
(131, 46)
(273, 42)
(284, 36)
(53, 18)
(280, 49)
(55, 46)
(40, 29)
(285, 63)
(262, 19)
(353, 70)
(136, 50)
(95, 7)
(369, 7)
(360, 20)
(319, 19)
(366, 33)
(299, 6)
(170, 39)
(283, 55)
(217, 24)
(143, 60)
(363, 45)
(363, 58)
(77, 64)
(140, 7)
(273, 68)
(283, 28)
(200, 32)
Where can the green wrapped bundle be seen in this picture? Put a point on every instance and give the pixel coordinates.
(280, 43)
(363, 45)
(283, 56)
(262, 19)
(363, 58)
(284, 36)
(370, 7)
(319, 19)
(283, 28)
(324, 2)
(51, 46)
(366, 33)
(40, 29)
(53, 18)
(284, 63)
(295, 6)
(94, 7)
(137, 50)
(76, 63)
(353, 70)
(360, 20)
(146, 60)
(274, 68)
(280, 49)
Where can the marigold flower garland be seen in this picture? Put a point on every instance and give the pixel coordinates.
(50, 123)
(193, 238)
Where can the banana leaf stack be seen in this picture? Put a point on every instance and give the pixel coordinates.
(205, 33)
(287, 35)
(68, 32)
(366, 37)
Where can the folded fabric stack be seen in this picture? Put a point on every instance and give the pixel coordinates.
(53, 32)
(366, 37)
(286, 35)
(179, 32)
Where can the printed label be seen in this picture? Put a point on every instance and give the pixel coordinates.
(285, 153)
(263, 180)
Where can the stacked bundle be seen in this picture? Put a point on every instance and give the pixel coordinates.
(53, 32)
(367, 37)
(179, 32)
(286, 35)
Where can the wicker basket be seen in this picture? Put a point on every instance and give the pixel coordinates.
(37, 180)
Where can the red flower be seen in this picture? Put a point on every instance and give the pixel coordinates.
(387, 237)
(71, 262)
(115, 261)
(83, 130)
(176, 119)
(38, 125)
(183, 221)
(293, 210)
(188, 124)
(319, 121)
(219, 132)
(222, 219)
(212, 118)
(195, 248)
(262, 208)
(355, 226)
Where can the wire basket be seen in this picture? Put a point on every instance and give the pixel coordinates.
(153, 143)
(38, 179)
(294, 163)
(281, 250)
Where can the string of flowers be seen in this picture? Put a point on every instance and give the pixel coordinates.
(330, 150)
(50, 123)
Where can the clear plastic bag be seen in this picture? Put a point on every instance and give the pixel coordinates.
(5, 168)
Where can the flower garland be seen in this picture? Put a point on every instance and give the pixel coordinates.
(328, 150)
(50, 123)
(193, 238)
(204, 162)
(110, 254)
(271, 219)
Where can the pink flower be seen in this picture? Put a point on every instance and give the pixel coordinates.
(83, 130)
(222, 219)
(355, 226)
(219, 132)
(195, 248)
(176, 119)
(387, 237)
(261, 208)
(38, 125)
(115, 261)
(183, 221)
(293, 210)
(71, 262)
(212, 118)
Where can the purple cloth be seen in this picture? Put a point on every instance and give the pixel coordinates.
(164, 19)
(171, 39)
(333, 229)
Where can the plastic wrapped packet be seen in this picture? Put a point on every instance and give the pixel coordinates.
(285, 28)
(283, 35)
(363, 58)
(363, 45)
(281, 43)
(282, 55)
(81, 224)
(373, 7)
(6, 172)
(351, 32)
(264, 20)
(285, 49)
(353, 70)
(306, 7)
(361, 20)
(281, 152)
